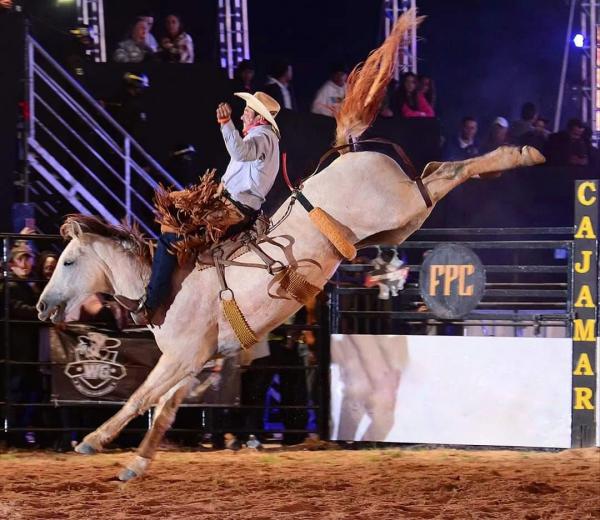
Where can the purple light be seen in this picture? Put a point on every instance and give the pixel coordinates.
(578, 40)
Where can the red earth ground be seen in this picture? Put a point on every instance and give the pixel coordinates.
(330, 485)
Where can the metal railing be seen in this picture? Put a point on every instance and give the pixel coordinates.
(536, 294)
(81, 152)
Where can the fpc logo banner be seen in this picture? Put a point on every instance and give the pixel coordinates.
(585, 310)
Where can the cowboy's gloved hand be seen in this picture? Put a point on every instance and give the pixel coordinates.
(223, 113)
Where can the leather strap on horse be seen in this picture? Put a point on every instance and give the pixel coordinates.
(322, 220)
(406, 164)
(297, 286)
(236, 319)
(290, 280)
(329, 227)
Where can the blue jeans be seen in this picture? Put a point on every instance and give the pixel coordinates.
(163, 267)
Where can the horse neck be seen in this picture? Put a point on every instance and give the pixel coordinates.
(127, 274)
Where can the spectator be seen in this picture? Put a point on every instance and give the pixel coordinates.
(278, 84)
(464, 145)
(410, 101)
(45, 265)
(25, 381)
(151, 42)
(243, 77)
(427, 87)
(177, 45)
(134, 49)
(538, 137)
(330, 95)
(569, 147)
(525, 124)
(497, 135)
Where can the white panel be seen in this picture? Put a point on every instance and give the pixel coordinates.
(492, 391)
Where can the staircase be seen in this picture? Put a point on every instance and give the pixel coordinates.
(80, 159)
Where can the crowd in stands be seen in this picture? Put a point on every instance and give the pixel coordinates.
(569, 147)
(412, 96)
(176, 45)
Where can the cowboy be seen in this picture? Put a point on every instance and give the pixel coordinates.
(249, 177)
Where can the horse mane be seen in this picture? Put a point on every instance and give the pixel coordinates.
(367, 83)
(128, 237)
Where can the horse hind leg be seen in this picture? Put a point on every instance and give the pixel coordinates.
(164, 376)
(440, 178)
(165, 413)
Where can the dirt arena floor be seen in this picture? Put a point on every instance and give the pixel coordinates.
(357, 485)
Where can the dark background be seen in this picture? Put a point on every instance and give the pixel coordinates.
(487, 57)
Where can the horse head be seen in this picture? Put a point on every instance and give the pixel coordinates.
(98, 259)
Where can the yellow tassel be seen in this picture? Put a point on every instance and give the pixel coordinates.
(293, 283)
(239, 324)
(326, 225)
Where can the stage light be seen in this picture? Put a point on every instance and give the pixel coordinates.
(578, 40)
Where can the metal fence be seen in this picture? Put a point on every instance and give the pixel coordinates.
(57, 422)
(529, 285)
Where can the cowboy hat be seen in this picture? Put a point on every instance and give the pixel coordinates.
(262, 104)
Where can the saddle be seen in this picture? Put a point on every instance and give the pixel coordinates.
(225, 253)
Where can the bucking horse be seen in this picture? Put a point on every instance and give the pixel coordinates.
(366, 194)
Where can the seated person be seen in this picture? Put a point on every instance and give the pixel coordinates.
(177, 45)
(464, 145)
(249, 177)
(134, 49)
(331, 94)
(410, 101)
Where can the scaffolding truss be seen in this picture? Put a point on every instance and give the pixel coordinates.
(90, 14)
(393, 9)
(234, 43)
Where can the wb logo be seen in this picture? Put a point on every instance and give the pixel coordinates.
(95, 371)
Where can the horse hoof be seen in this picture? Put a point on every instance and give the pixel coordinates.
(85, 449)
(532, 156)
(127, 475)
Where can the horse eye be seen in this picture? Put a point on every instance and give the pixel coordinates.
(68, 262)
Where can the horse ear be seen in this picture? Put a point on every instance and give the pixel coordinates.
(71, 229)
(76, 230)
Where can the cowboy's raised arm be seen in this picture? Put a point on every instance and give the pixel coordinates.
(249, 149)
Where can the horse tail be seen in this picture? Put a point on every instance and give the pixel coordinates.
(367, 83)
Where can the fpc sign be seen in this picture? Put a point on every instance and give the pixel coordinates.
(585, 309)
(452, 281)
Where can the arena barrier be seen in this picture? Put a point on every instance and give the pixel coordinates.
(402, 373)
(61, 383)
(413, 376)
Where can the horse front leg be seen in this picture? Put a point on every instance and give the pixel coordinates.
(164, 376)
(165, 413)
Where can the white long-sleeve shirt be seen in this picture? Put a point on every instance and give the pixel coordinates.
(254, 163)
(328, 98)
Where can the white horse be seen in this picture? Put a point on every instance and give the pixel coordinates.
(367, 193)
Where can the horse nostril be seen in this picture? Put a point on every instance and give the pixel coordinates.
(41, 306)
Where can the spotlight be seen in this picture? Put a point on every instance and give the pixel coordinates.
(578, 40)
